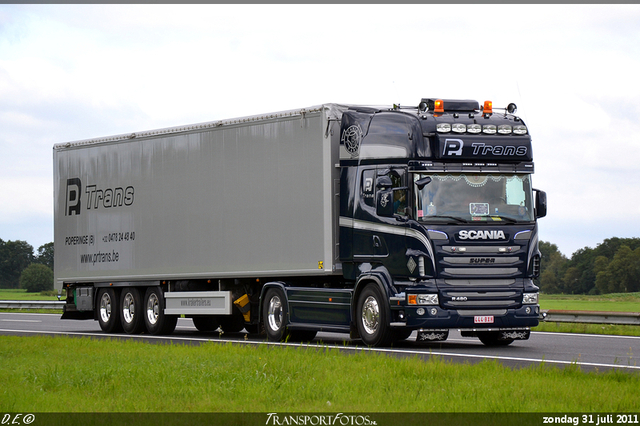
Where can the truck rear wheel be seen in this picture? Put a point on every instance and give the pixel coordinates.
(156, 321)
(274, 311)
(131, 311)
(108, 310)
(372, 317)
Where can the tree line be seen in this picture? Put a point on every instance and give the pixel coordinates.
(612, 267)
(22, 267)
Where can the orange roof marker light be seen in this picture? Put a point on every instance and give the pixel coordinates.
(438, 106)
(488, 107)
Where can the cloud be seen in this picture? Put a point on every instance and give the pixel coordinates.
(70, 72)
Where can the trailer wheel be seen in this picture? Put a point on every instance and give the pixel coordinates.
(156, 321)
(489, 338)
(108, 311)
(274, 311)
(372, 317)
(205, 323)
(131, 311)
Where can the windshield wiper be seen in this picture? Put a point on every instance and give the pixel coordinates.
(456, 218)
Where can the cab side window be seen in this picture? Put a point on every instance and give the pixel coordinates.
(398, 180)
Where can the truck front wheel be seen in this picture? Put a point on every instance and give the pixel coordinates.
(131, 311)
(372, 317)
(156, 321)
(108, 310)
(274, 311)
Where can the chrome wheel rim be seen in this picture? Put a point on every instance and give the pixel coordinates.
(128, 308)
(105, 307)
(274, 313)
(153, 309)
(370, 315)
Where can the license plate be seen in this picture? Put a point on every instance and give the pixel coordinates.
(483, 319)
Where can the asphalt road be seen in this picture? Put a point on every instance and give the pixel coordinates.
(590, 352)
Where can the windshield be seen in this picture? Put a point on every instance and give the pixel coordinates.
(474, 197)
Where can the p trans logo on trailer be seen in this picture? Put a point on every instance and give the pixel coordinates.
(95, 197)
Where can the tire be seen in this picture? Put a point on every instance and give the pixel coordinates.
(372, 317)
(107, 307)
(205, 323)
(489, 338)
(156, 321)
(131, 311)
(275, 315)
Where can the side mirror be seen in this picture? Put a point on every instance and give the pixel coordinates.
(384, 182)
(392, 202)
(384, 203)
(541, 203)
(423, 182)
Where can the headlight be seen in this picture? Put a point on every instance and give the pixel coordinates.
(459, 128)
(489, 129)
(474, 128)
(443, 127)
(520, 129)
(423, 299)
(530, 298)
(504, 129)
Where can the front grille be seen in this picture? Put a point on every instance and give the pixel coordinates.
(482, 261)
(504, 298)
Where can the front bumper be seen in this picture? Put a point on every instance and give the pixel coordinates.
(434, 317)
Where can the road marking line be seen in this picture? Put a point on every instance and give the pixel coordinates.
(362, 349)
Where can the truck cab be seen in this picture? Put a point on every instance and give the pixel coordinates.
(438, 221)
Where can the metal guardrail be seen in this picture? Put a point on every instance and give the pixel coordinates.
(621, 318)
(31, 304)
(593, 317)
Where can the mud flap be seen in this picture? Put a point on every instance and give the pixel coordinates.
(77, 315)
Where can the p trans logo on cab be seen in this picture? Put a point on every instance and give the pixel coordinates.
(481, 235)
(494, 149)
(95, 197)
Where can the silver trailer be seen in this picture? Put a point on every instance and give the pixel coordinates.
(210, 204)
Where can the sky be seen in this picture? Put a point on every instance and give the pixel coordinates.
(74, 72)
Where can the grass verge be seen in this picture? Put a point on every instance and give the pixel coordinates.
(607, 329)
(21, 294)
(47, 374)
(615, 302)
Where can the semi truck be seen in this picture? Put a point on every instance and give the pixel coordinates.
(376, 221)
